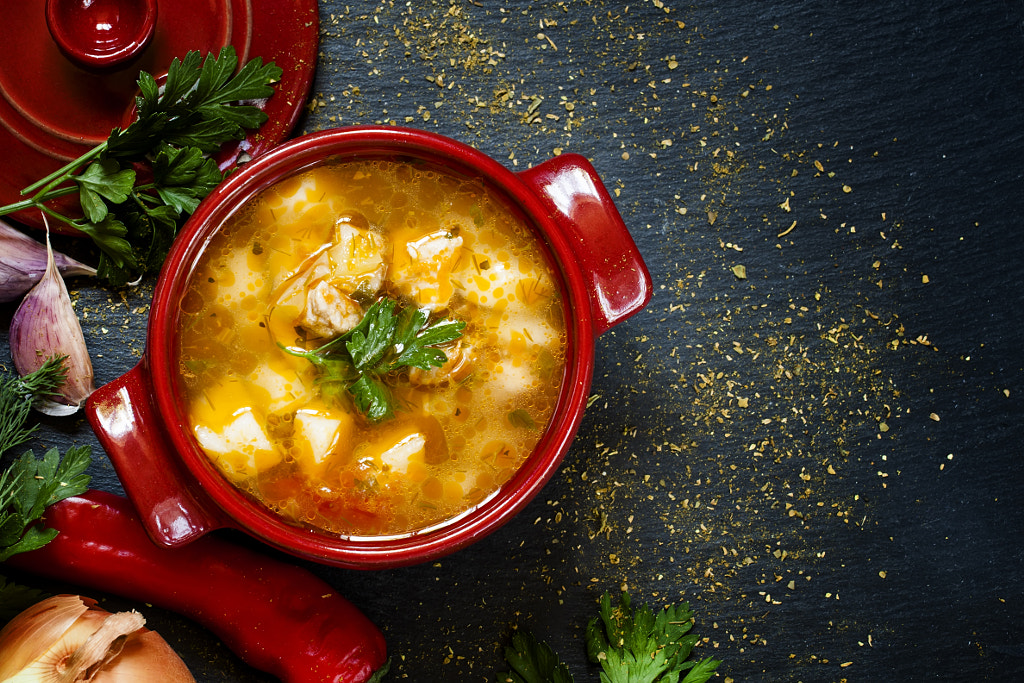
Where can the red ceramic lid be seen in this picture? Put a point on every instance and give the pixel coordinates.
(68, 70)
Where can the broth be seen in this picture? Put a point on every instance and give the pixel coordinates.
(301, 264)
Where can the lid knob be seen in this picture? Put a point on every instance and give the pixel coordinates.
(101, 35)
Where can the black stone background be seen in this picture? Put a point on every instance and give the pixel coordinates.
(746, 433)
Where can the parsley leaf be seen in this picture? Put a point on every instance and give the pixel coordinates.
(631, 646)
(532, 661)
(383, 342)
(372, 398)
(373, 335)
(29, 485)
(204, 103)
(199, 105)
(417, 343)
(104, 179)
(110, 235)
(637, 646)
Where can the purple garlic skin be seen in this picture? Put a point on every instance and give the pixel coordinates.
(23, 262)
(46, 325)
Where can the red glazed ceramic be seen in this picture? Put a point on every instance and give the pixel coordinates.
(88, 53)
(101, 34)
(142, 424)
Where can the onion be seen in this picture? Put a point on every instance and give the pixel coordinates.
(68, 638)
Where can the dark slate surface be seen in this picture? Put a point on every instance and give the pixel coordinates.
(823, 458)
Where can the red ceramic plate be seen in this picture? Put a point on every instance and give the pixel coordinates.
(52, 110)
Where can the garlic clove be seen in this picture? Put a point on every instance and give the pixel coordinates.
(23, 262)
(46, 325)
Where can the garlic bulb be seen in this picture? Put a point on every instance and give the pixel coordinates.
(46, 325)
(23, 262)
(68, 638)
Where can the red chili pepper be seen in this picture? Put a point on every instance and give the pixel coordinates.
(276, 616)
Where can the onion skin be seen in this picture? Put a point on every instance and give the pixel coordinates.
(164, 665)
(27, 646)
(276, 616)
(70, 638)
(23, 262)
(46, 325)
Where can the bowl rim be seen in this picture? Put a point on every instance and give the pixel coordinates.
(448, 536)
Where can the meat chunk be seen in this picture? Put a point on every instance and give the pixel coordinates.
(356, 260)
(321, 297)
(329, 312)
(457, 368)
(423, 268)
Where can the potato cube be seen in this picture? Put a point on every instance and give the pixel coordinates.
(241, 449)
(318, 437)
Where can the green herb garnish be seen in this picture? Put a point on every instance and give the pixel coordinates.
(29, 485)
(198, 109)
(631, 646)
(17, 395)
(383, 342)
(522, 419)
(637, 646)
(533, 661)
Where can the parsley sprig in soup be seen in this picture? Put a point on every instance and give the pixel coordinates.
(371, 347)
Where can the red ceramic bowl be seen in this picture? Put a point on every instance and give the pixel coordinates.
(140, 418)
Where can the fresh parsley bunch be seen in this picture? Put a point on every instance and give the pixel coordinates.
(637, 646)
(133, 219)
(28, 485)
(533, 661)
(357, 362)
(631, 646)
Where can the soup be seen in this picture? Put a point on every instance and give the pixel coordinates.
(299, 396)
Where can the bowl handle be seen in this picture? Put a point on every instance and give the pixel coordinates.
(617, 277)
(129, 428)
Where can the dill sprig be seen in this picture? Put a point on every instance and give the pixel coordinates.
(17, 395)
